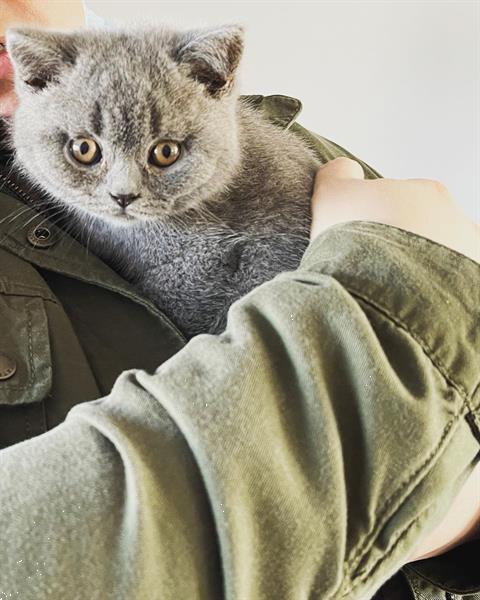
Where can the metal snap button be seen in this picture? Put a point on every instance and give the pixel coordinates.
(40, 236)
(8, 367)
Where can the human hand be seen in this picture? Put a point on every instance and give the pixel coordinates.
(422, 206)
(426, 208)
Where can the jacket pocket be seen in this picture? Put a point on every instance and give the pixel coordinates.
(24, 349)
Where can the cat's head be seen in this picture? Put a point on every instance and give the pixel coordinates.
(127, 125)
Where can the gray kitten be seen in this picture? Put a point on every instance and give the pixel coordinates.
(181, 186)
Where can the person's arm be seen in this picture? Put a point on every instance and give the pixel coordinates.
(302, 453)
(424, 207)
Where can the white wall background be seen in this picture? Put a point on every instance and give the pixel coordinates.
(395, 82)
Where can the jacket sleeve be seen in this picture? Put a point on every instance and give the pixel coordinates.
(300, 454)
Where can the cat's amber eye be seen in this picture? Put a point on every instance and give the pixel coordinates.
(164, 154)
(85, 151)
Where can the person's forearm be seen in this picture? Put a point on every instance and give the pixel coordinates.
(274, 460)
(107, 506)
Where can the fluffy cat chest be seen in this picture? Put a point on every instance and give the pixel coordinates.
(221, 258)
(195, 277)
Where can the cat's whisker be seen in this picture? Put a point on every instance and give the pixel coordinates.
(65, 232)
(50, 214)
(169, 224)
(11, 167)
(157, 226)
(15, 214)
(211, 218)
(204, 210)
(90, 229)
(179, 224)
(75, 228)
(49, 211)
(26, 223)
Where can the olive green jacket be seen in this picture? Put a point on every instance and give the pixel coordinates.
(301, 454)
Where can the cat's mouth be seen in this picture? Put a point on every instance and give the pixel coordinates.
(129, 216)
(112, 215)
(136, 213)
(132, 214)
(120, 217)
(125, 216)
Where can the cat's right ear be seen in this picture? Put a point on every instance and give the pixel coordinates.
(39, 57)
(212, 56)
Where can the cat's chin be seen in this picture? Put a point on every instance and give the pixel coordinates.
(125, 220)
(121, 220)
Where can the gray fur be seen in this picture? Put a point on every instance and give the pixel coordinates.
(231, 213)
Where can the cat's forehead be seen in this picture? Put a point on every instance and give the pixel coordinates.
(126, 64)
(128, 87)
(113, 51)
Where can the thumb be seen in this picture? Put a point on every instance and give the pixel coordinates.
(329, 176)
(341, 168)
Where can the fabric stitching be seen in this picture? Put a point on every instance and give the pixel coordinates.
(384, 514)
(438, 364)
(21, 295)
(415, 588)
(360, 552)
(425, 347)
(10, 288)
(31, 365)
(473, 419)
(416, 237)
(476, 390)
(30, 347)
(17, 189)
(389, 551)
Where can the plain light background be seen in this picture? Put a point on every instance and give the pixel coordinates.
(395, 82)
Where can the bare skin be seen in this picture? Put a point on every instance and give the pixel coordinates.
(56, 14)
(422, 206)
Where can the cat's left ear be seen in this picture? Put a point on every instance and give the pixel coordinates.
(212, 56)
(39, 57)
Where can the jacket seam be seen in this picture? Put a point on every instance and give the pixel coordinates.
(476, 390)
(417, 237)
(363, 576)
(38, 295)
(11, 287)
(473, 419)
(16, 189)
(359, 553)
(30, 358)
(415, 589)
(385, 514)
(436, 362)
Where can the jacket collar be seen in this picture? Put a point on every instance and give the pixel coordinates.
(280, 110)
(22, 231)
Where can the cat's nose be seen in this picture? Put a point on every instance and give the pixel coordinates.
(123, 200)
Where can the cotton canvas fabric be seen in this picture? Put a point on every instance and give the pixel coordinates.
(300, 454)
